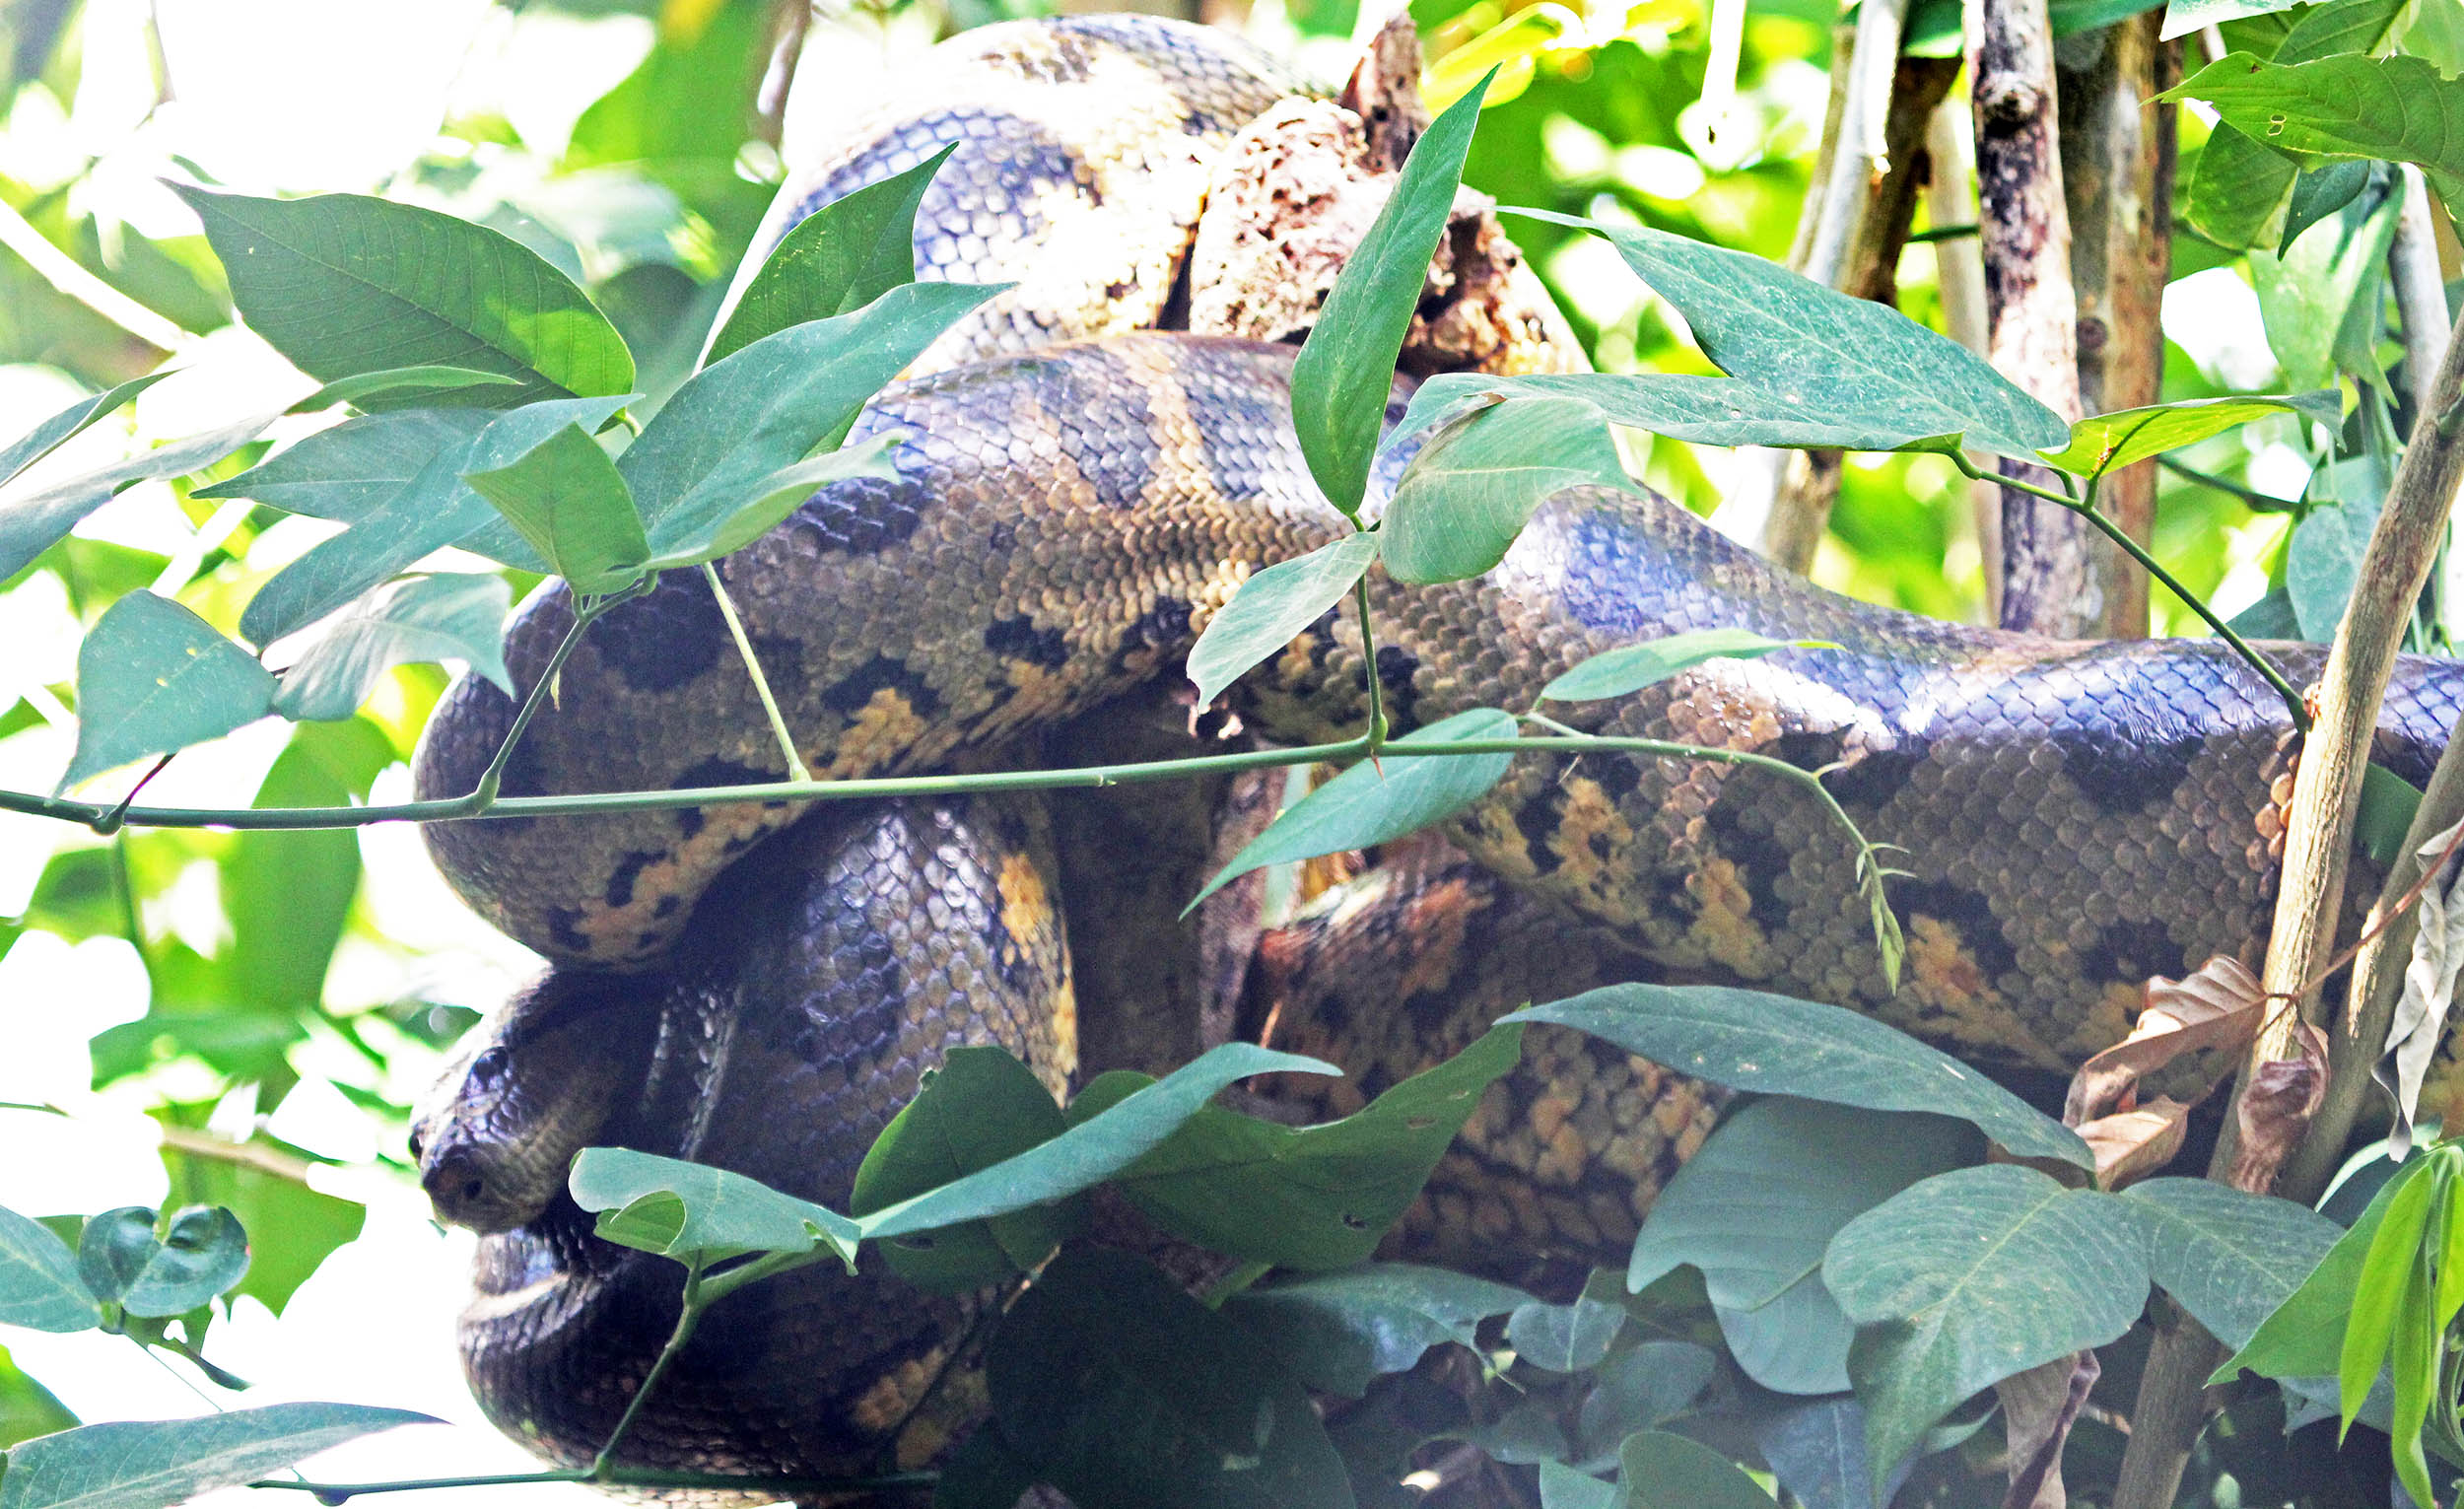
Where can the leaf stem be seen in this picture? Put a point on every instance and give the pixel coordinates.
(587, 611)
(753, 665)
(1376, 736)
(2085, 507)
(687, 1318)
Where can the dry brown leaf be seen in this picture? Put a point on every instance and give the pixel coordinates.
(2038, 1409)
(2277, 1106)
(2420, 1023)
(2132, 1145)
(2217, 1005)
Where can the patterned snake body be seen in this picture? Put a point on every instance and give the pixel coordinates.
(2075, 817)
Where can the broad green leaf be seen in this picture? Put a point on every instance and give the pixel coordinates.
(344, 285)
(38, 1284)
(773, 497)
(1472, 487)
(297, 1227)
(1367, 804)
(395, 526)
(1527, 1433)
(695, 1213)
(2397, 108)
(1346, 366)
(2111, 442)
(2320, 192)
(1562, 1487)
(566, 498)
(776, 401)
(688, 107)
(2323, 562)
(120, 1259)
(2228, 1256)
(1757, 1205)
(27, 1408)
(840, 257)
(2182, 17)
(2338, 26)
(1641, 1389)
(1796, 1342)
(425, 381)
(453, 616)
(1338, 1331)
(1967, 1277)
(1817, 1451)
(980, 1107)
(1310, 1197)
(34, 518)
(1093, 1385)
(2378, 1293)
(347, 472)
(2413, 1360)
(1631, 668)
(287, 897)
(155, 1463)
(1274, 606)
(1775, 1045)
(2307, 295)
(1564, 1339)
(2388, 802)
(1658, 1469)
(2237, 187)
(67, 425)
(1094, 1149)
(1808, 366)
(153, 677)
(2303, 1337)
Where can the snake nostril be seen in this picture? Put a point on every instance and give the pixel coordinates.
(470, 1191)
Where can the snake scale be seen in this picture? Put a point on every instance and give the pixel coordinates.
(1073, 497)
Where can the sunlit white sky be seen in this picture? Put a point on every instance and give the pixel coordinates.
(289, 95)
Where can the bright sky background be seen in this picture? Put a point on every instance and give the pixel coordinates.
(297, 96)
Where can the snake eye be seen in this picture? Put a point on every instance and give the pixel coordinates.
(419, 1144)
(488, 1068)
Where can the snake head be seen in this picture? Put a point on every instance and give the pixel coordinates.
(529, 1088)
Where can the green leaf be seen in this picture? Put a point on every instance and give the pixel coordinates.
(1658, 1469)
(1563, 1487)
(27, 1408)
(1310, 1197)
(1816, 1452)
(2323, 562)
(1272, 606)
(773, 497)
(2111, 442)
(1564, 1339)
(840, 257)
(1631, 668)
(296, 1227)
(1472, 487)
(33, 519)
(347, 472)
(2398, 108)
(287, 897)
(980, 1107)
(738, 422)
(2307, 296)
(450, 616)
(2303, 1337)
(2378, 1292)
(67, 425)
(2182, 17)
(2228, 1256)
(2385, 816)
(2414, 1360)
(1757, 1205)
(155, 1463)
(689, 103)
(1774, 1045)
(1639, 1390)
(1366, 804)
(1338, 1331)
(1806, 365)
(38, 1284)
(1095, 1383)
(566, 498)
(432, 506)
(153, 677)
(697, 1214)
(2236, 189)
(345, 285)
(2331, 27)
(2318, 193)
(1093, 1149)
(120, 1259)
(1967, 1277)
(1346, 366)
(425, 381)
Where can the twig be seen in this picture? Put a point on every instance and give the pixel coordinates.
(2421, 293)
(587, 611)
(688, 1317)
(2251, 497)
(2327, 791)
(753, 667)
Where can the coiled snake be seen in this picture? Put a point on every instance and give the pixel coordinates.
(2075, 817)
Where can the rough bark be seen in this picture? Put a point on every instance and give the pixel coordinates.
(2049, 581)
(2117, 175)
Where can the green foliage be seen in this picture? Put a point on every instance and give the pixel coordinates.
(1473, 485)
(1274, 606)
(67, 425)
(1631, 668)
(450, 615)
(2398, 108)
(153, 677)
(1662, 1471)
(979, 1108)
(1347, 368)
(836, 259)
(1564, 1339)
(418, 288)
(565, 499)
(700, 1215)
(1369, 804)
(154, 1463)
(39, 1287)
(122, 1261)
(34, 519)
(2107, 442)
(1338, 1330)
(1751, 1040)
(2231, 1258)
